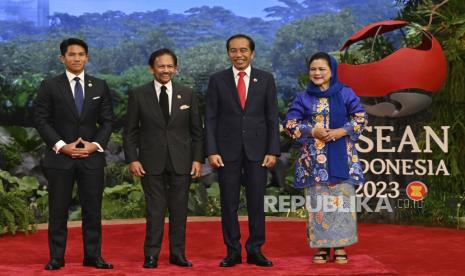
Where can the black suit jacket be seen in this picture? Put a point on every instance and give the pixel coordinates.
(56, 118)
(148, 139)
(229, 128)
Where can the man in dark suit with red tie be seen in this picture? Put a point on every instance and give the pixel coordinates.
(242, 142)
(74, 116)
(163, 144)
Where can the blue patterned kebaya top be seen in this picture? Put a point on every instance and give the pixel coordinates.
(307, 112)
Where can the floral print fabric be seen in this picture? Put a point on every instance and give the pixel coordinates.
(307, 112)
(328, 229)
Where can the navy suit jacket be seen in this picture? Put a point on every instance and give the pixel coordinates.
(229, 128)
(56, 118)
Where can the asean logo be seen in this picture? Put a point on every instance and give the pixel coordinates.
(401, 82)
(416, 190)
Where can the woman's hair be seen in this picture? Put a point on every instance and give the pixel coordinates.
(319, 55)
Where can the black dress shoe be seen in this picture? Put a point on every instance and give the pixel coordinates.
(180, 261)
(231, 260)
(258, 259)
(150, 262)
(97, 262)
(55, 264)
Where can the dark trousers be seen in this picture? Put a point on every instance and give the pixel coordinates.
(60, 189)
(166, 191)
(230, 177)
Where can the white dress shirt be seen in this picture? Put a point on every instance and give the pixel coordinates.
(169, 91)
(72, 83)
(246, 78)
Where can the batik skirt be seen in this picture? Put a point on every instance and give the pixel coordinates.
(331, 215)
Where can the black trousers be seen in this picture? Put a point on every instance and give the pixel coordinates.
(60, 189)
(230, 178)
(166, 191)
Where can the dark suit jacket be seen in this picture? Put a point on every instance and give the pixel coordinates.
(229, 128)
(148, 139)
(56, 118)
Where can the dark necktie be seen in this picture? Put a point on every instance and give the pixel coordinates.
(164, 105)
(78, 95)
(241, 88)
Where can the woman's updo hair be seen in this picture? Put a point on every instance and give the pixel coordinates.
(319, 55)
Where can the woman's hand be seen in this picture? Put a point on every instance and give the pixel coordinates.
(334, 134)
(320, 133)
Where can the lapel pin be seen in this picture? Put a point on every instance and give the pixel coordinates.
(179, 96)
(255, 80)
(89, 84)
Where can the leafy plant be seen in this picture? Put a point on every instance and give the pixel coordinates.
(26, 184)
(117, 173)
(446, 21)
(380, 46)
(204, 201)
(10, 155)
(123, 201)
(16, 99)
(15, 214)
(24, 139)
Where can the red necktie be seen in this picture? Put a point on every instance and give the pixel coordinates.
(241, 88)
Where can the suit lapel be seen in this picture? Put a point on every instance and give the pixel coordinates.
(88, 94)
(68, 94)
(253, 80)
(152, 103)
(176, 99)
(231, 83)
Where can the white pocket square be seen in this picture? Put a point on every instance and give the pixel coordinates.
(182, 107)
(95, 98)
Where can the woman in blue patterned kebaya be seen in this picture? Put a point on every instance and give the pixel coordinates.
(326, 120)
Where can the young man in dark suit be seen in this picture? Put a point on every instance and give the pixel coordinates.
(242, 141)
(74, 116)
(163, 144)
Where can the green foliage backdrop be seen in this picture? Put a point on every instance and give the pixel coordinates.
(121, 43)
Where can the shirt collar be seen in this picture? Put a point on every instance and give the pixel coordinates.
(169, 86)
(247, 71)
(71, 76)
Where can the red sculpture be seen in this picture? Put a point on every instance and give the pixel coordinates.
(421, 68)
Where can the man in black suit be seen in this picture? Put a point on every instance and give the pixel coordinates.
(74, 116)
(163, 145)
(242, 141)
